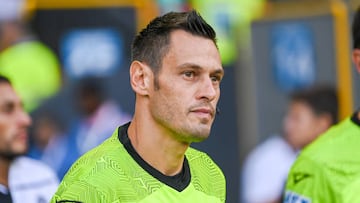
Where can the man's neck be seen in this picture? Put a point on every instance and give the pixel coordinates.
(157, 148)
(4, 171)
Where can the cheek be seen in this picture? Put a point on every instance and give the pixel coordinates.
(296, 126)
(308, 128)
(5, 139)
(4, 129)
(7, 130)
(290, 124)
(164, 104)
(302, 125)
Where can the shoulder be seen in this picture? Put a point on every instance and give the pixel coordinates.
(103, 159)
(339, 142)
(200, 162)
(350, 193)
(206, 175)
(308, 181)
(325, 166)
(103, 153)
(343, 137)
(202, 165)
(80, 192)
(199, 158)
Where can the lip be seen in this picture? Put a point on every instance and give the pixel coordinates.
(203, 111)
(22, 135)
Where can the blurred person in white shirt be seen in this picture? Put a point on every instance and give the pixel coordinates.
(310, 112)
(21, 179)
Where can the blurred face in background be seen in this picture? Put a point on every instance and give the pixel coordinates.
(14, 123)
(302, 125)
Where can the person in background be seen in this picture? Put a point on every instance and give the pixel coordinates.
(97, 117)
(31, 66)
(48, 142)
(21, 179)
(310, 112)
(328, 170)
(175, 73)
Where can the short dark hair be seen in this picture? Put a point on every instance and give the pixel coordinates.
(152, 43)
(322, 99)
(4, 79)
(356, 29)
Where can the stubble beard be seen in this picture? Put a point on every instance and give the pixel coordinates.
(10, 156)
(185, 131)
(192, 132)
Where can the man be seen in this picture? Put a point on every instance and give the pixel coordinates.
(328, 170)
(21, 179)
(175, 72)
(310, 112)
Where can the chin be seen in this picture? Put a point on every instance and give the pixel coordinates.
(19, 151)
(12, 155)
(200, 137)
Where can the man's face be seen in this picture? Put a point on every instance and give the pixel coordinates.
(14, 122)
(302, 125)
(189, 87)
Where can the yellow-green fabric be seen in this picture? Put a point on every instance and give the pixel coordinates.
(351, 192)
(108, 173)
(231, 20)
(33, 70)
(329, 168)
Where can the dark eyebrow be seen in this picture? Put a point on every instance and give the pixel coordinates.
(189, 65)
(220, 71)
(7, 106)
(197, 67)
(12, 104)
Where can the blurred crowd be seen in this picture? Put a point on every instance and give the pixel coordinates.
(38, 74)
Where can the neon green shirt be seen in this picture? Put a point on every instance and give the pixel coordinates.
(327, 170)
(114, 172)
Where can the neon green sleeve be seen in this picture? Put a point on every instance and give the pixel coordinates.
(81, 192)
(350, 193)
(308, 182)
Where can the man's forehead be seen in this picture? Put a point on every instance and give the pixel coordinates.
(193, 49)
(8, 94)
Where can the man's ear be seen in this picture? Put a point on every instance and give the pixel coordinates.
(140, 77)
(356, 59)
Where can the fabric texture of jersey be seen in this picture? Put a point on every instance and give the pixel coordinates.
(109, 173)
(328, 169)
(31, 181)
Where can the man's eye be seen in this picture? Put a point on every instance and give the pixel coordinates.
(8, 109)
(189, 74)
(216, 78)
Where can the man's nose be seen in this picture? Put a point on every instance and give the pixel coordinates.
(208, 90)
(24, 118)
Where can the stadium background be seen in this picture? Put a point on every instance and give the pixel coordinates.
(268, 47)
